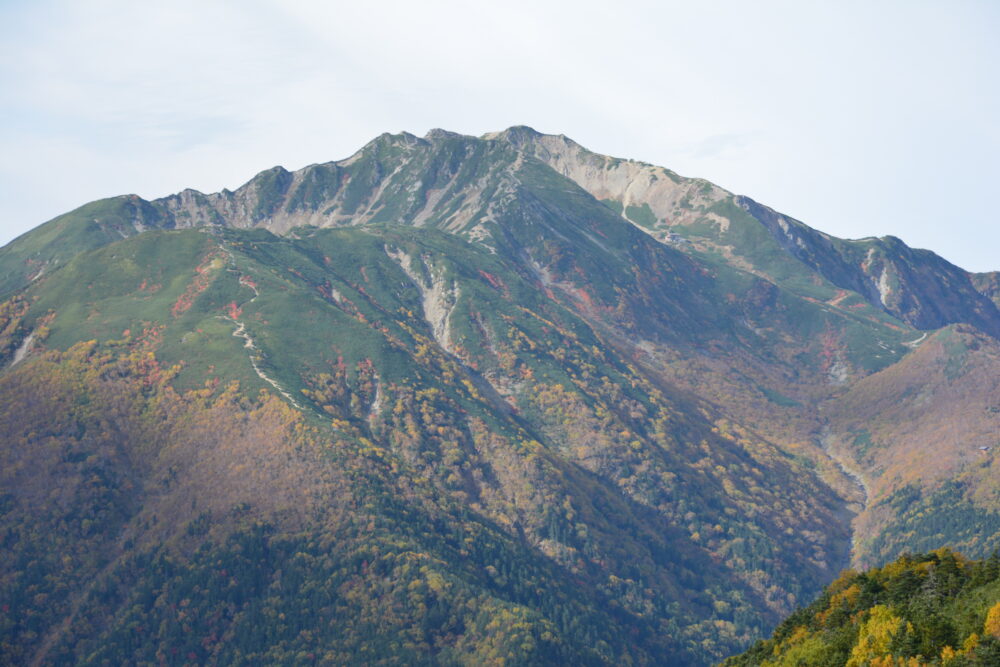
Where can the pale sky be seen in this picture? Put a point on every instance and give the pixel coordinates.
(858, 118)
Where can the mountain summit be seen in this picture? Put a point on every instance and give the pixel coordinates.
(471, 400)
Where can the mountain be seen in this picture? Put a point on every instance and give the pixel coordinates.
(470, 400)
(928, 609)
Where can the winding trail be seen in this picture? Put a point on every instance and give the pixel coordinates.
(241, 330)
(914, 343)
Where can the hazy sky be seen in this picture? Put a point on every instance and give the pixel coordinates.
(859, 118)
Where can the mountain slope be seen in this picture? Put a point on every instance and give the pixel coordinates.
(515, 415)
(925, 433)
(455, 182)
(452, 399)
(915, 286)
(93, 225)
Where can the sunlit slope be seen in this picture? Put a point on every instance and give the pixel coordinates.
(929, 609)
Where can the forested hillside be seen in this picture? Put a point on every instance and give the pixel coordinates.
(931, 609)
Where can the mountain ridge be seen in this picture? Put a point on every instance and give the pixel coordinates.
(650, 197)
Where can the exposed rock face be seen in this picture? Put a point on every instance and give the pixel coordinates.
(437, 295)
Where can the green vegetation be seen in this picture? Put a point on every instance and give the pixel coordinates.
(928, 518)
(931, 609)
(93, 225)
(863, 444)
(779, 399)
(641, 215)
(614, 205)
(318, 186)
(272, 186)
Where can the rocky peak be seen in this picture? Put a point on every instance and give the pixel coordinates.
(517, 135)
(437, 134)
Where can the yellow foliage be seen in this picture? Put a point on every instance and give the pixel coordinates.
(876, 635)
(992, 625)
